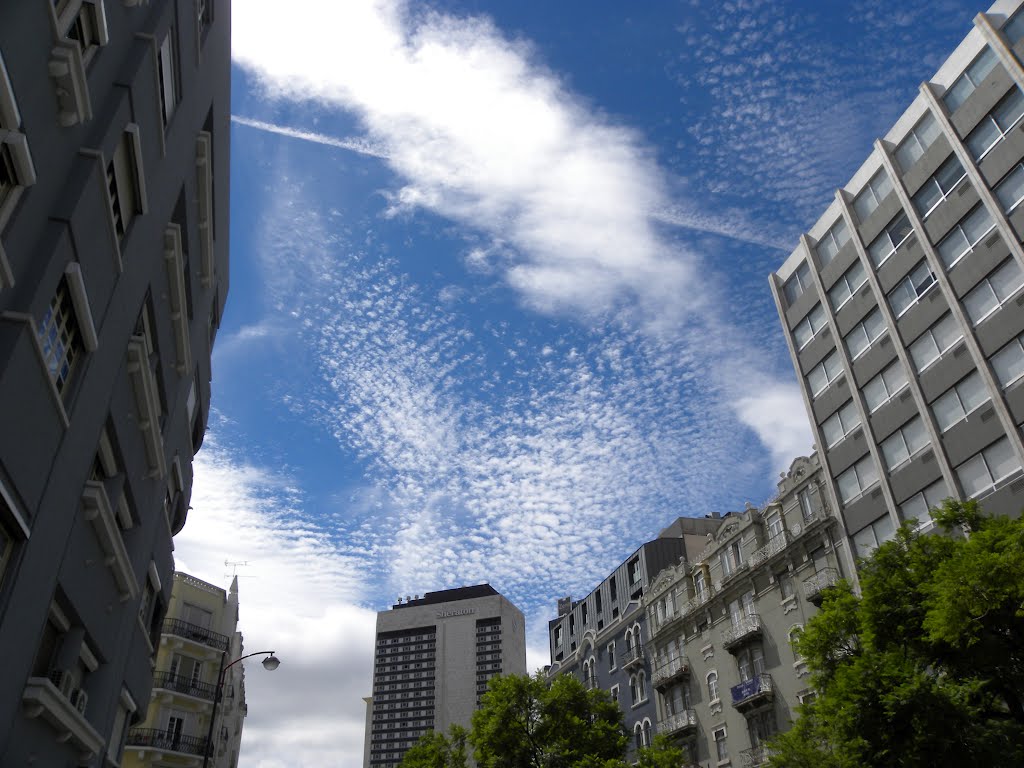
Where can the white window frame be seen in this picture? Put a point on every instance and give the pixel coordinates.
(721, 745)
(838, 418)
(886, 235)
(714, 691)
(958, 228)
(819, 319)
(931, 497)
(870, 198)
(824, 369)
(930, 334)
(876, 525)
(1009, 263)
(1014, 93)
(984, 457)
(1015, 343)
(954, 393)
(913, 286)
(934, 183)
(167, 70)
(13, 144)
(65, 19)
(915, 139)
(852, 289)
(974, 75)
(611, 656)
(899, 438)
(880, 376)
(800, 274)
(880, 330)
(861, 467)
(1018, 172)
(832, 241)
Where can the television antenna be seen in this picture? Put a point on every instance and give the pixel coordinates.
(235, 565)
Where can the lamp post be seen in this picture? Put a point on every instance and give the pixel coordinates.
(270, 664)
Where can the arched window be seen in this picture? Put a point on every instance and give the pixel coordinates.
(641, 685)
(638, 735)
(712, 686)
(633, 690)
(629, 638)
(794, 634)
(647, 732)
(636, 635)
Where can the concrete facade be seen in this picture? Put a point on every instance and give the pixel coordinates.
(721, 623)
(433, 658)
(114, 131)
(903, 307)
(200, 633)
(603, 638)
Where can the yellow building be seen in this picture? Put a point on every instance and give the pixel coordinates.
(200, 637)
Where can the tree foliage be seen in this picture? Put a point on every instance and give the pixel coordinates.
(531, 722)
(926, 667)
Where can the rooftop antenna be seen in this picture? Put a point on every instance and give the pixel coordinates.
(234, 565)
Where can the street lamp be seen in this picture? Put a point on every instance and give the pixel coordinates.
(270, 664)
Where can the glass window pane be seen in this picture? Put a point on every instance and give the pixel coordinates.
(1006, 280)
(973, 476)
(949, 173)
(857, 341)
(894, 450)
(816, 318)
(1008, 363)
(874, 325)
(849, 417)
(856, 275)
(972, 392)
(927, 197)
(902, 296)
(958, 94)
(895, 377)
(832, 366)
(826, 249)
(848, 484)
(915, 435)
(840, 233)
(953, 246)
(865, 542)
(884, 529)
(865, 204)
(935, 493)
(802, 333)
(946, 332)
(1001, 460)
(880, 249)
(866, 472)
(875, 394)
(1014, 29)
(915, 508)
(1010, 190)
(924, 351)
(816, 379)
(977, 223)
(981, 302)
(928, 130)
(982, 66)
(839, 293)
(882, 185)
(947, 410)
(1009, 110)
(832, 429)
(983, 137)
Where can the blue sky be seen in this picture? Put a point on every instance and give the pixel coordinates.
(499, 302)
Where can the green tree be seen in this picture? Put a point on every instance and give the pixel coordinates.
(436, 750)
(925, 667)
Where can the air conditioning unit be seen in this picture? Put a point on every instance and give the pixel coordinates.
(79, 699)
(63, 680)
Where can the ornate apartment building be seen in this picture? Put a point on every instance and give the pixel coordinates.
(603, 638)
(903, 307)
(114, 129)
(722, 622)
(200, 635)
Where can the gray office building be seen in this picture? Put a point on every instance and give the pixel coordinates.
(114, 123)
(433, 658)
(603, 638)
(903, 307)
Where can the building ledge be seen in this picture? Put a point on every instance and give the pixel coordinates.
(147, 403)
(99, 512)
(42, 698)
(204, 183)
(177, 297)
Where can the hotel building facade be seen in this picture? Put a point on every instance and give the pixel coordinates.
(903, 307)
(114, 126)
(433, 658)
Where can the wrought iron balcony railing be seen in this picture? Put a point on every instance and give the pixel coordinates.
(166, 741)
(756, 757)
(196, 633)
(669, 670)
(775, 545)
(819, 582)
(744, 628)
(633, 656)
(185, 685)
(679, 722)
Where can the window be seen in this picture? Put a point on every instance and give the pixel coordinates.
(905, 443)
(832, 241)
(613, 692)
(840, 424)
(824, 373)
(731, 558)
(1010, 191)
(712, 679)
(918, 507)
(994, 291)
(935, 342)
(972, 77)
(634, 690)
(857, 479)
(83, 21)
(641, 685)
(995, 126)
(891, 238)
(773, 522)
(115, 744)
(168, 72)
(917, 142)
(983, 471)
(869, 538)
(634, 571)
(864, 334)
(611, 656)
(808, 328)
(60, 337)
(934, 191)
(750, 662)
(700, 585)
(965, 235)
(911, 288)
(806, 509)
(123, 176)
(638, 736)
(721, 747)
(785, 584)
(204, 14)
(1008, 362)
(960, 400)
(847, 285)
(872, 195)
(797, 284)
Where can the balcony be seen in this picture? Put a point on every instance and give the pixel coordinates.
(758, 756)
(186, 685)
(147, 401)
(775, 545)
(196, 634)
(669, 670)
(633, 657)
(678, 724)
(664, 623)
(753, 692)
(743, 629)
(98, 511)
(818, 583)
(166, 741)
(41, 698)
(696, 602)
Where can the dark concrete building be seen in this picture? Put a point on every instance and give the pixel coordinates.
(114, 123)
(433, 658)
(603, 638)
(903, 307)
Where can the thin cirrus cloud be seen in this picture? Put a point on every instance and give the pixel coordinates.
(479, 132)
